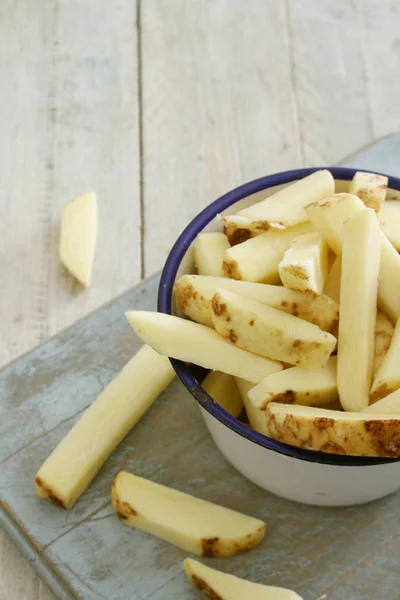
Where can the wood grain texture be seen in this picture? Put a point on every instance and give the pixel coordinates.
(69, 123)
(218, 107)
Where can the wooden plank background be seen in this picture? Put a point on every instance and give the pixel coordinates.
(161, 106)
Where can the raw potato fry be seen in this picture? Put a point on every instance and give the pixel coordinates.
(270, 332)
(209, 253)
(328, 217)
(78, 237)
(389, 219)
(387, 379)
(285, 208)
(334, 432)
(389, 405)
(194, 294)
(256, 417)
(383, 337)
(304, 265)
(332, 284)
(223, 389)
(70, 468)
(258, 258)
(191, 342)
(192, 524)
(370, 188)
(359, 292)
(221, 586)
(297, 386)
(237, 235)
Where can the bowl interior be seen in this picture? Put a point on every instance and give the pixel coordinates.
(180, 262)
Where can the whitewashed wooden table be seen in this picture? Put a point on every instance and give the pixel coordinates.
(161, 106)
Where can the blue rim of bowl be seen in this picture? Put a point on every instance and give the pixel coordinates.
(165, 306)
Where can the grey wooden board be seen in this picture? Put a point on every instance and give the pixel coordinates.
(87, 553)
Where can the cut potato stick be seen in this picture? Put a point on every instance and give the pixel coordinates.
(387, 379)
(370, 188)
(194, 294)
(188, 522)
(332, 284)
(78, 237)
(359, 292)
(223, 389)
(221, 586)
(237, 235)
(285, 208)
(270, 332)
(258, 258)
(304, 265)
(297, 386)
(389, 405)
(70, 468)
(334, 432)
(328, 217)
(256, 417)
(383, 337)
(209, 253)
(191, 342)
(389, 219)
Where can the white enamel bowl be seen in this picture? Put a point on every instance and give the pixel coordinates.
(300, 475)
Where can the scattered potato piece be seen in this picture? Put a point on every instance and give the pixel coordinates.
(221, 586)
(304, 265)
(70, 468)
(194, 294)
(209, 253)
(383, 337)
(334, 432)
(332, 284)
(387, 379)
(389, 405)
(370, 188)
(359, 292)
(297, 386)
(223, 389)
(78, 237)
(328, 217)
(389, 219)
(191, 342)
(270, 332)
(285, 208)
(192, 524)
(258, 258)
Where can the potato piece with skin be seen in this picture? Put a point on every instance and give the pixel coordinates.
(69, 469)
(197, 344)
(221, 586)
(258, 258)
(389, 219)
(78, 237)
(387, 379)
(304, 265)
(334, 432)
(389, 405)
(357, 316)
(328, 217)
(285, 208)
(270, 332)
(194, 294)
(297, 386)
(195, 525)
(209, 253)
(332, 284)
(383, 337)
(237, 235)
(370, 188)
(223, 389)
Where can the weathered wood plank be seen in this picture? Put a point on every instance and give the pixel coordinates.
(218, 107)
(330, 79)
